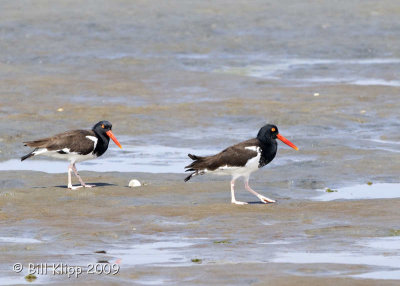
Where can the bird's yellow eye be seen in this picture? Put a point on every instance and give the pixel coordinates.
(273, 129)
(102, 126)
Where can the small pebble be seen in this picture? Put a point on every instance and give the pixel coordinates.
(316, 94)
(60, 109)
(363, 111)
(134, 183)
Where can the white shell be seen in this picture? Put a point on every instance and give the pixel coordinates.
(134, 183)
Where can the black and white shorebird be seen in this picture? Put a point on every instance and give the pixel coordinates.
(75, 146)
(241, 160)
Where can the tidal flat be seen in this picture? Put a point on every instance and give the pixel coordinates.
(178, 77)
(167, 232)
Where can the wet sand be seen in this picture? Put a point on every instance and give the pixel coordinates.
(236, 244)
(178, 77)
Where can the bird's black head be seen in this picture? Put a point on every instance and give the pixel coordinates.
(267, 133)
(104, 128)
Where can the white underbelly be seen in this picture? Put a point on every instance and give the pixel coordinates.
(225, 170)
(72, 157)
(250, 167)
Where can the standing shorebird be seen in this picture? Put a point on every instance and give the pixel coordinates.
(241, 160)
(75, 146)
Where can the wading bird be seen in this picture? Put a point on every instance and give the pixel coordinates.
(241, 160)
(75, 146)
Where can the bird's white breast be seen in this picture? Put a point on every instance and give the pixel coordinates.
(253, 163)
(94, 139)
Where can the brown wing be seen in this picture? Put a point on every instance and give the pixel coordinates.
(74, 140)
(233, 156)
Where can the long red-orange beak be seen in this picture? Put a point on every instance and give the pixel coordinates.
(287, 142)
(111, 135)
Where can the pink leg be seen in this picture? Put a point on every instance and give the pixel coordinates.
(70, 186)
(263, 199)
(233, 199)
(79, 177)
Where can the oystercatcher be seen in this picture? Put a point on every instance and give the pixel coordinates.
(241, 160)
(75, 146)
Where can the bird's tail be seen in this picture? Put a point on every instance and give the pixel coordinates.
(194, 157)
(28, 155)
(192, 167)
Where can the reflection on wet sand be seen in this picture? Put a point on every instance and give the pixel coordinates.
(386, 259)
(365, 191)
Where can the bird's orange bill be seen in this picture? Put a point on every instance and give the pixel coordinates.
(287, 142)
(111, 135)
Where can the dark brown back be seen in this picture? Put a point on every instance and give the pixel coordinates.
(233, 156)
(74, 140)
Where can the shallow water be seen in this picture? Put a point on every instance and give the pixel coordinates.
(152, 159)
(309, 72)
(382, 252)
(359, 192)
(154, 253)
(14, 239)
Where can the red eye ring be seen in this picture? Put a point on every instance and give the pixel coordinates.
(273, 129)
